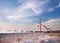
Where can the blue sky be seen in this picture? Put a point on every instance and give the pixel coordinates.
(17, 13)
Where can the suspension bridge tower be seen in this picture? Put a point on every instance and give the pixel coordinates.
(40, 28)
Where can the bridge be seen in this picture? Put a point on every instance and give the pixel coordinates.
(40, 24)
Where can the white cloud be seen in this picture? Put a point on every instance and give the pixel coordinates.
(21, 1)
(4, 11)
(53, 24)
(4, 27)
(51, 9)
(35, 10)
(26, 9)
(36, 5)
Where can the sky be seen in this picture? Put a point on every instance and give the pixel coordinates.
(26, 14)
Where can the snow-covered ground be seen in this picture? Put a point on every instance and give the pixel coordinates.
(31, 37)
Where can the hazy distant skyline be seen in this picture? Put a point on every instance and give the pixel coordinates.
(25, 14)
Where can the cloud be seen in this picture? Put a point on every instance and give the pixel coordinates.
(4, 11)
(58, 5)
(51, 9)
(21, 1)
(10, 28)
(53, 24)
(36, 5)
(27, 9)
(35, 10)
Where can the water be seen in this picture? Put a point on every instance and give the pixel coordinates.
(29, 38)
